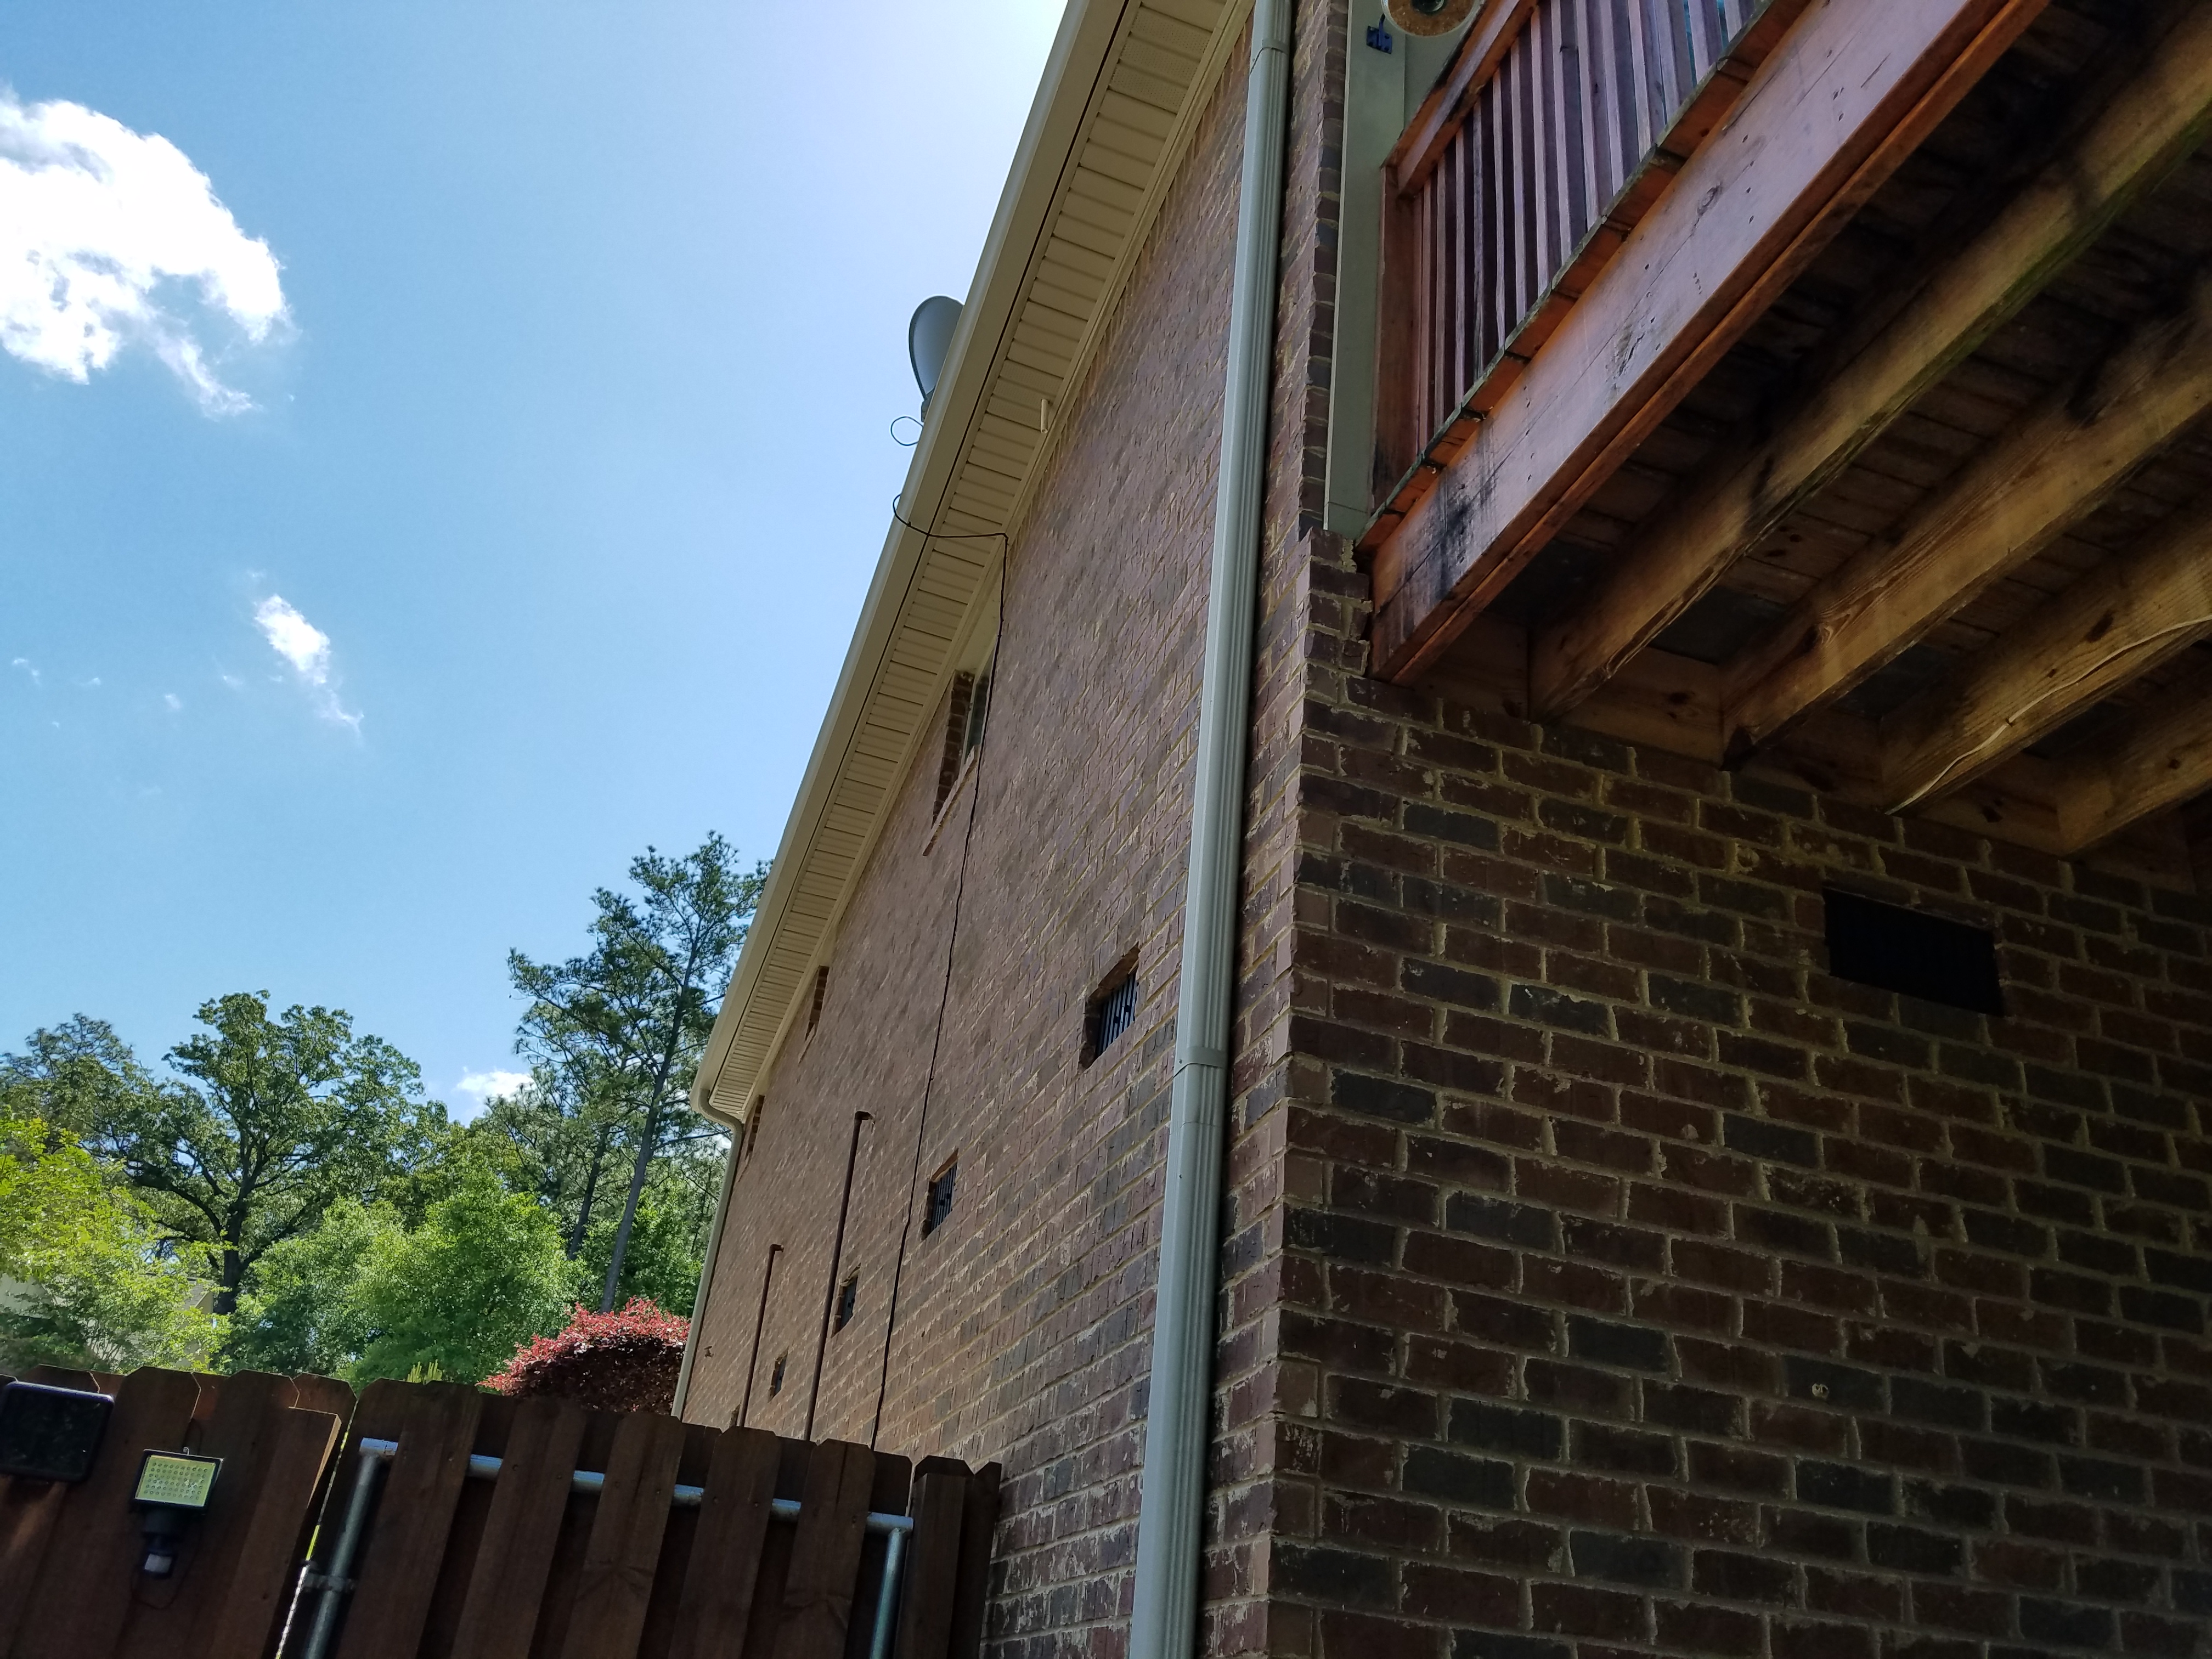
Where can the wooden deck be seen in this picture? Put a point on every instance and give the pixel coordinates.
(1877, 452)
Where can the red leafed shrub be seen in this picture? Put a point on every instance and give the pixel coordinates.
(625, 1361)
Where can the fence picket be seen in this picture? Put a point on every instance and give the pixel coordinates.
(238, 1424)
(979, 1518)
(245, 1615)
(500, 1616)
(825, 1554)
(28, 1511)
(434, 1424)
(617, 1583)
(932, 1564)
(726, 1553)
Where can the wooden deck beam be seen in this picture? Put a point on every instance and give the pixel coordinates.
(2002, 508)
(1850, 91)
(2161, 759)
(2121, 620)
(2150, 126)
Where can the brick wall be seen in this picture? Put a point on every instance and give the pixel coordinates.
(1650, 1288)
(1022, 1328)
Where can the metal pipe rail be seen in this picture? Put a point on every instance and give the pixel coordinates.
(336, 1581)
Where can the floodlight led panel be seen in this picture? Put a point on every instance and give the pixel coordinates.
(176, 1480)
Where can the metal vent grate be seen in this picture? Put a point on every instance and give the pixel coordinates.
(1117, 1012)
(939, 1207)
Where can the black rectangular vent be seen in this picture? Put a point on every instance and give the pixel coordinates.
(1113, 1011)
(849, 1300)
(1913, 953)
(938, 1210)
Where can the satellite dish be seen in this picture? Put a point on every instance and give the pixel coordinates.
(1429, 16)
(929, 338)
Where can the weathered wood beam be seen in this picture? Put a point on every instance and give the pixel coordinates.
(2008, 504)
(2152, 123)
(2162, 758)
(1664, 701)
(1850, 91)
(2120, 621)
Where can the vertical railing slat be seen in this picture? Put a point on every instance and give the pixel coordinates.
(1578, 101)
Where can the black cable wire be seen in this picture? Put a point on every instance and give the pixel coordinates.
(951, 944)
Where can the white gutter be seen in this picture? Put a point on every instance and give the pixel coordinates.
(1163, 1622)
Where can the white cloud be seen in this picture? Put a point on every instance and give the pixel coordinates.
(172, 701)
(95, 222)
(307, 649)
(486, 1085)
(30, 668)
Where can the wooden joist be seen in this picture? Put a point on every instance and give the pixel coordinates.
(2120, 621)
(2004, 506)
(2162, 758)
(1672, 704)
(1849, 93)
(1745, 495)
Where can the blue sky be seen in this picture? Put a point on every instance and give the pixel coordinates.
(567, 457)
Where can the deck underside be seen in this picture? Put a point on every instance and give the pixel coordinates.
(1987, 598)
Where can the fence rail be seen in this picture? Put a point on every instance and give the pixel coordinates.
(427, 1520)
(1559, 124)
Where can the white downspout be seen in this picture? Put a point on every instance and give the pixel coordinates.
(1164, 1623)
(706, 1268)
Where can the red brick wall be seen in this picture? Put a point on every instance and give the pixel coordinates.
(1653, 1288)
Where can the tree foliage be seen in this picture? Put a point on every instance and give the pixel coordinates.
(75, 1076)
(95, 1286)
(616, 1033)
(482, 1274)
(284, 1181)
(267, 1124)
(303, 1311)
(611, 1362)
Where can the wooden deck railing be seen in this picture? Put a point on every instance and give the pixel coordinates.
(1557, 127)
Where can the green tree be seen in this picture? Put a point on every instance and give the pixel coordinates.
(75, 1076)
(269, 1123)
(624, 1024)
(485, 1274)
(553, 1140)
(303, 1311)
(96, 1285)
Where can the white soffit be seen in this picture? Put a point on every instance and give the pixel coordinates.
(1122, 91)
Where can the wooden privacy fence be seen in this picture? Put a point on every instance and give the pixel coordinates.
(1556, 129)
(430, 1520)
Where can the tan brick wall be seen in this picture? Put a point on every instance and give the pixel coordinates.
(1021, 1327)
